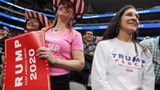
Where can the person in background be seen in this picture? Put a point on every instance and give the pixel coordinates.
(120, 63)
(4, 31)
(35, 21)
(89, 48)
(64, 47)
(153, 44)
(3, 35)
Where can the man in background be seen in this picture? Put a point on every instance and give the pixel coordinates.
(3, 35)
(153, 44)
(89, 48)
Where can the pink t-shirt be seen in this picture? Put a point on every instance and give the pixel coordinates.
(62, 44)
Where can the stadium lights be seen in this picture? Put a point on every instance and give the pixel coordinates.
(151, 10)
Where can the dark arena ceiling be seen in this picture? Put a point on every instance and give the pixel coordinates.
(92, 7)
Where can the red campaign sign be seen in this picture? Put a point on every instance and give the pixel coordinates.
(23, 70)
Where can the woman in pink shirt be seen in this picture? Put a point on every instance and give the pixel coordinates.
(64, 47)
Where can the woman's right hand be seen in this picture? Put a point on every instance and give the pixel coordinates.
(45, 53)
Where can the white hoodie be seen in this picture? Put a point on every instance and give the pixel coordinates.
(114, 67)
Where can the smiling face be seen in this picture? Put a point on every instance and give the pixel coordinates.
(89, 36)
(129, 21)
(32, 24)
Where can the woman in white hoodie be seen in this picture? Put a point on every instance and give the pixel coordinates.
(120, 63)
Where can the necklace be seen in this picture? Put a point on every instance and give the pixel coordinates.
(55, 29)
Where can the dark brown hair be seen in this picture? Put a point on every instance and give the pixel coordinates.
(113, 28)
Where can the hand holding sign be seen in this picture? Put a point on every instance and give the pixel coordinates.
(45, 53)
(22, 68)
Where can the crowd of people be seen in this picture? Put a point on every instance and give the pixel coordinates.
(116, 62)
